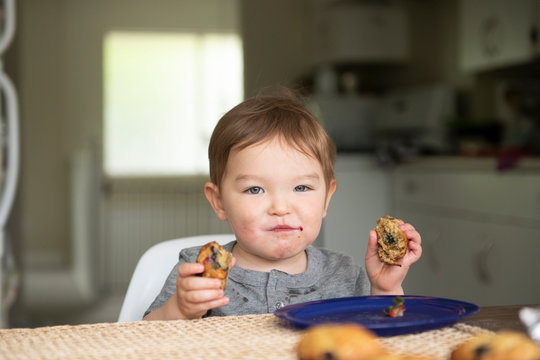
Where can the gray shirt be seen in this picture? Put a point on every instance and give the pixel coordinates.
(329, 274)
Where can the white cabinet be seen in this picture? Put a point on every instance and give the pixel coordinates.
(480, 233)
(497, 33)
(362, 196)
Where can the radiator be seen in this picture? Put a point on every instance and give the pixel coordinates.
(140, 213)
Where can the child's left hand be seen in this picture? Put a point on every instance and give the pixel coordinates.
(387, 279)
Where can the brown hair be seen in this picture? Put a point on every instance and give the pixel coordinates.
(262, 118)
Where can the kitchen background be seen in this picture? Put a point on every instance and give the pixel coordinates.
(434, 105)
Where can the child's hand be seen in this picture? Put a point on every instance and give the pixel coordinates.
(195, 295)
(387, 279)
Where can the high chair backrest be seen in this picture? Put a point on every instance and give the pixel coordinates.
(153, 268)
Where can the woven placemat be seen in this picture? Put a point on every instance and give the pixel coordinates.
(233, 337)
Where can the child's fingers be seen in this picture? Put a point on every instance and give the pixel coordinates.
(414, 253)
(190, 269)
(192, 283)
(372, 242)
(196, 295)
(195, 310)
(214, 303)
(411, 233)
(415, 248)
(188, 279)
(371, 251)
(407, 228)
(217, 303)
(372, 237)
(202, 296)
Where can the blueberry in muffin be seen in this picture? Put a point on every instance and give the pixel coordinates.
(391, 240)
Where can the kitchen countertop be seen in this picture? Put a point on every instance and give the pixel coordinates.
(368, 161)
(458, 163)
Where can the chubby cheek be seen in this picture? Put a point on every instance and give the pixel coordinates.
(311, 223)
(309, 234)
(245, 231)
(244, 225)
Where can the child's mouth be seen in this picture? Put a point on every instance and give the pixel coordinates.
(284, 228)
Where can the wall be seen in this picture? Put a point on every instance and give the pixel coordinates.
(42, 195)
(59, 79)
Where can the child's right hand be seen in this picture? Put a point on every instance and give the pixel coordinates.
(195, 295)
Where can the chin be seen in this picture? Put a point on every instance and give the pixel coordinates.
(288, 252)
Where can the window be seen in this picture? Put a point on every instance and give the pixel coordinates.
(163, 94)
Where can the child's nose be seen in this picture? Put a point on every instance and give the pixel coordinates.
(280, 206)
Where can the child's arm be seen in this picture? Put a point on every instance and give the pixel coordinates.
(387, 279)
(194, 295)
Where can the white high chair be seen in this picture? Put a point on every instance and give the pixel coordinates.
(153, 268)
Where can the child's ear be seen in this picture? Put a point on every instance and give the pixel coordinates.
(331, 189)
(211, 191)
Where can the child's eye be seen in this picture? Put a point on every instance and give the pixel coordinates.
(301, 188)
(255, 190)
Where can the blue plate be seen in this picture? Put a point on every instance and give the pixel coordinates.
(421, 313)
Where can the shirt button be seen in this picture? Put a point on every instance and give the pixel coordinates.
(279, 305)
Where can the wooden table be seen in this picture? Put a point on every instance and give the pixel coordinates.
(498, 318)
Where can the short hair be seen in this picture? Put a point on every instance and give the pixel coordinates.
(263, 118)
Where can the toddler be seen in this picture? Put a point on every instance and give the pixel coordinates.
(272, 178)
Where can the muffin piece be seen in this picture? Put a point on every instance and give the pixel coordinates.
(504, 345)
(339, 342)
(216, 261)
(392, 241)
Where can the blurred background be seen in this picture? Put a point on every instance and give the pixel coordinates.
(434, 106)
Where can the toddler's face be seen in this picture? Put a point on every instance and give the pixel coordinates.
(275, 198)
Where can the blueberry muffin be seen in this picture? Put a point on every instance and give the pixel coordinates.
(339, 342)
(504, 345)
(216, 261)
(392, 241)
